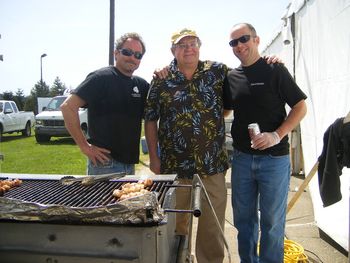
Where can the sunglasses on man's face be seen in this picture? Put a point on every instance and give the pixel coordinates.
(243, 39)
(128, 52)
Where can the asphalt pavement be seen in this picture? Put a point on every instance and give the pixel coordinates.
(300, 227)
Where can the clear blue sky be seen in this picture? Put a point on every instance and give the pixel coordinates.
(75, 33)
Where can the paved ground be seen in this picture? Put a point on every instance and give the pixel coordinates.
(300, 228)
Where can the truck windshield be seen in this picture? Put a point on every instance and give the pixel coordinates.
(1, 107)
(55, 103)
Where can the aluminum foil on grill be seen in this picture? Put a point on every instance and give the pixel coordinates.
(144, 209)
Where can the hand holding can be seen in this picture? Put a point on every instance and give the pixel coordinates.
(253, 130)
(264, 140)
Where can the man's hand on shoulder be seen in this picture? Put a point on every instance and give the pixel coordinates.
(272, 59)
(161, 73)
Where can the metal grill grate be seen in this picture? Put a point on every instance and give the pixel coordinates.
(75, 195)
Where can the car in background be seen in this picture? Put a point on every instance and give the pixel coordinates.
(13, 120)
(50, 123)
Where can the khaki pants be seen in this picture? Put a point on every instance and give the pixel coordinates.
(209, 243)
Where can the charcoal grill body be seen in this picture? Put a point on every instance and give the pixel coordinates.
(43, 242)
(57, 242)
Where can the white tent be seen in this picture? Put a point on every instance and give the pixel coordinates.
(314, 42)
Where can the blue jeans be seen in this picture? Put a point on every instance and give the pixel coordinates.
(111, 166)
(260, 182)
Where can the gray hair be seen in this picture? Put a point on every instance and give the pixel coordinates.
(121, 40)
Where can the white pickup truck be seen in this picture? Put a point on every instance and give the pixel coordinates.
(50, 123)
(13, 120)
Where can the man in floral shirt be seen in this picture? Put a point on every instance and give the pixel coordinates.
(189, 107)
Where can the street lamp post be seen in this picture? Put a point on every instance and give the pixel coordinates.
(41, 68)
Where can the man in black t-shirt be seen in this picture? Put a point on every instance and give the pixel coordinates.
(115, 100)
(257, 93)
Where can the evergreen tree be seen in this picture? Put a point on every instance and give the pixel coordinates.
(39, 90)
(30, 104)
(8, 95)
(19, 99)
(57, 88)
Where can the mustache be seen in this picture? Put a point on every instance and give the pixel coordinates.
(131, 62)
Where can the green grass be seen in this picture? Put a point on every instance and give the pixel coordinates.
(59, 156)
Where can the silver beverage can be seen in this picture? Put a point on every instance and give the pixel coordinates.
(253, 130)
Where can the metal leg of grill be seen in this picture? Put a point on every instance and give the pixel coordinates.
(184, 251)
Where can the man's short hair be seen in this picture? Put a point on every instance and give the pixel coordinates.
(122, 39)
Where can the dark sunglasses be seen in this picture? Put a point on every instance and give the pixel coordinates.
(243, 39)
(128, 52)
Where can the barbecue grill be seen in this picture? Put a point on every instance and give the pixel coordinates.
(45, 221)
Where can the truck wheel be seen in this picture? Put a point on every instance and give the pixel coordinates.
(27, 130)
(42, 138)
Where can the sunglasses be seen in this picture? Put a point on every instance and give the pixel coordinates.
(243, 39)
(128, 52)
(187, 45)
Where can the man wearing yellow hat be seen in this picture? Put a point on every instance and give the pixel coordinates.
(189, 107)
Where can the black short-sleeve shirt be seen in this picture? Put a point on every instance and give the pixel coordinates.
(115, 105)
(259, 94)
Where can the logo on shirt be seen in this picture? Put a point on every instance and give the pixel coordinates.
(257, 84)
(136, 92)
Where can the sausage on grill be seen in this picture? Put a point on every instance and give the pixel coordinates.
(6, 185)
(132, 189)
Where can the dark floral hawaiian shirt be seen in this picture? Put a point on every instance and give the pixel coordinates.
(191, 125)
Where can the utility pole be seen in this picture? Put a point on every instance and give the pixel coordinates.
(1, 56)
(111, 32)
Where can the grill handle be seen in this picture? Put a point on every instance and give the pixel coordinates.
(195, 202)
(197, 189)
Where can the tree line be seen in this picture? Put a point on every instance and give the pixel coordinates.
(40, 89)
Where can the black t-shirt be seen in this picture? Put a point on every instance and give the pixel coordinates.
(258, 94)
(115, 105)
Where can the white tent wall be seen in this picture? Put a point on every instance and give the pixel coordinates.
(321, 55)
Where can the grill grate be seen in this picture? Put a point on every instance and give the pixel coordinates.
(76, 195)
